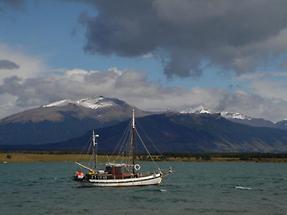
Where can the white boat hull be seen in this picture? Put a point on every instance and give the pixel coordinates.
(153, 179)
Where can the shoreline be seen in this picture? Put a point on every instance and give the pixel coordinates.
(22, 157)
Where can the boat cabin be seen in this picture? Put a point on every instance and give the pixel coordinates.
(119, 171)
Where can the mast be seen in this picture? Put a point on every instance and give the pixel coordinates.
(133, 139)
(95, 149)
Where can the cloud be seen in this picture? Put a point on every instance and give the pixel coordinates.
(8, 105)
(230, 34)
(7, 64)
(133, 87)
(270, 85)
(262, 75)
(27, 65)
(270, 89)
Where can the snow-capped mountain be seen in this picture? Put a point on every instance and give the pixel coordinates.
(282, 124)
(247, 120)
(203, 110)
(96, 103)
(64, 119)
(196, 110)
(99, 108)
(234, 115)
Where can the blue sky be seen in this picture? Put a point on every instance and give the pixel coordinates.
(245, 61)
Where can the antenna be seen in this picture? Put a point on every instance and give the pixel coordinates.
(133, 139)
(95, 148)
(133, 119)
(94, 138)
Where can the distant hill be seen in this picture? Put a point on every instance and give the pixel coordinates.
(63, 120)
(282, 124)
(255, 122)
(184, 133)
(232, 116)
(66, 125)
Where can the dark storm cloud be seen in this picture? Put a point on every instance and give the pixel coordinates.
(7, 64)
(231, 34)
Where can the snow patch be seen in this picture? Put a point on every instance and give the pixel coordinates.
(197, 110)
(234, 115)
(58, 103)
(203, 110)
(95, 103)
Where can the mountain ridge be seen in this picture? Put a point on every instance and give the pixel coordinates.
(235, 117)
(184, 133)
(52, 124)
(57, 123)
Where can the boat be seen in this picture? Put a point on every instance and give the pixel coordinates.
(125, 173)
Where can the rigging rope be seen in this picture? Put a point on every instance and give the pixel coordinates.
(155, 165)
(121, 140)
(121, 144)
(85, 148)
(149, 139)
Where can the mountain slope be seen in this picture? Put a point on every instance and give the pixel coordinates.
(282, 124)
(255, 122)
(62, 120)
(232, 116)
(185, 133)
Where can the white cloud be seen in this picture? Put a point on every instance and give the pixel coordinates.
(261, 75)
(29, 66)
(270, 89)
(133, 87)
(8, 104)
(148, 55)
(271, 85)
(31, 86)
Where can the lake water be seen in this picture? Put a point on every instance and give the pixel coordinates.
(195, 188)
